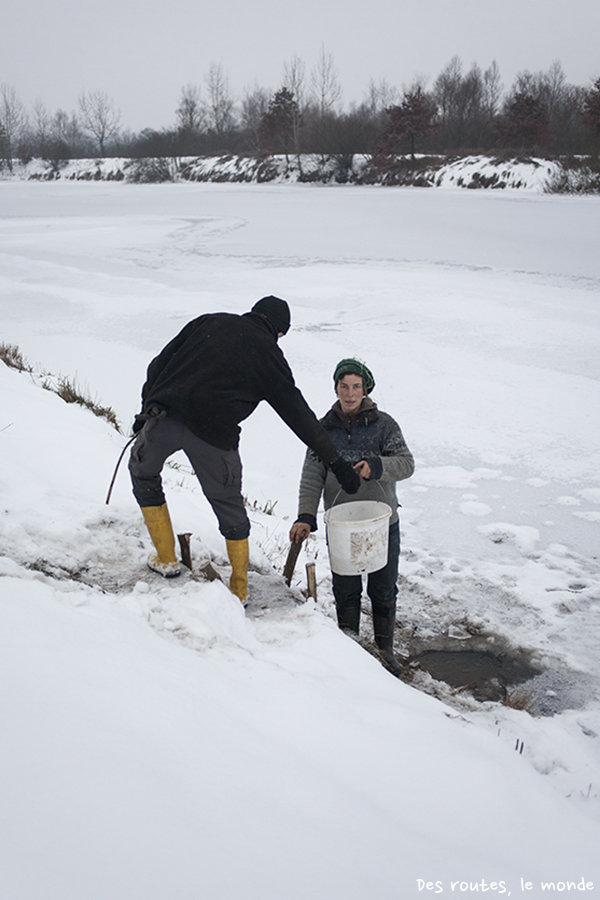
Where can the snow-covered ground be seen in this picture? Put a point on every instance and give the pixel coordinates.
(157, 741)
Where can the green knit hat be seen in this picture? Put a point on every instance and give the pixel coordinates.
(354, 367)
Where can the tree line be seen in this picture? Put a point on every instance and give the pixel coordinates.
(464, 111)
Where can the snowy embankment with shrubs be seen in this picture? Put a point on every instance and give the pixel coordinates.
(158, 740)
(473, 172)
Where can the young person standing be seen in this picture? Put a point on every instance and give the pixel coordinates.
(372, 442)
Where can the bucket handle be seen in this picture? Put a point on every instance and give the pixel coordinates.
(378, 483)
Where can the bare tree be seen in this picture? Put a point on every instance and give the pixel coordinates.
(492, 91)
(13, 120)
(467, 103)
(46, 137)
(446, 87)
(67, 128)
(45, 142)
(41, 128)
(191, 112)
(560, 100)
(220, 100)
(554, 88)
(294, 75)
(545, 87)
(255, 104)
(460, 100)
(469, 115)
(380, 95)
(563, 102)
(99, 117)
(325, 87)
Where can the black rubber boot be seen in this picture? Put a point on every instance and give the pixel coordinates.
(383, 631)
(348, 615)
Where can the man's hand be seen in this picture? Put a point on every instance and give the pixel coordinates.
(349, 479)
(299, 532)
(148, 419)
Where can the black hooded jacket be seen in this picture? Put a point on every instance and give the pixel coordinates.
(216, 371)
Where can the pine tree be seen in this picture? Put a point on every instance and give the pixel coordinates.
(590, 114)
(278, 124)
(412, 119)
(525, 124)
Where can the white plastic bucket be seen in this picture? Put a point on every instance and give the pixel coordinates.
(358, 536)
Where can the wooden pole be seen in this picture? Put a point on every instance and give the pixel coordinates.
(290, 563)
(186, 553)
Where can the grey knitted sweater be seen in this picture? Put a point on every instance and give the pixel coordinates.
(372, 435)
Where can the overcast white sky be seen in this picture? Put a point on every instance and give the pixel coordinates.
(141, 52)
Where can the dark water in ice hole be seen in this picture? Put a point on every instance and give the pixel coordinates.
(486, 675)
(499, 677)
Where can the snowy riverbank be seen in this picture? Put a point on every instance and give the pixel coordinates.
(472, 172)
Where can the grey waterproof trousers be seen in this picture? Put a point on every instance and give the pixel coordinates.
(218, 471)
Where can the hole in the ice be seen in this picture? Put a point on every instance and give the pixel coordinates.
(486, 675)
(489, 669)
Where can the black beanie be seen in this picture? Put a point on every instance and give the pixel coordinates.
(276, 311)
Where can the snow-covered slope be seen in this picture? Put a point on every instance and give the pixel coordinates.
(158, 741)
(474, 172)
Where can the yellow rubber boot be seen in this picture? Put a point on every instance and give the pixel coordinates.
(239, 557)
(158, 523)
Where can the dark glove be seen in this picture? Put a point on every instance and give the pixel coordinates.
(348, 478)
(150, 418)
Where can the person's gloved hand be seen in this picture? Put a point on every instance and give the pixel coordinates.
(150, 418)
(348, 478)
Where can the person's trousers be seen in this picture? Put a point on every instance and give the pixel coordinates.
(382, 589)
(218, 471)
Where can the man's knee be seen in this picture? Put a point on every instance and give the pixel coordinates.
(147, 459)
(148, 491)
(147, 485)
(235, 532)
